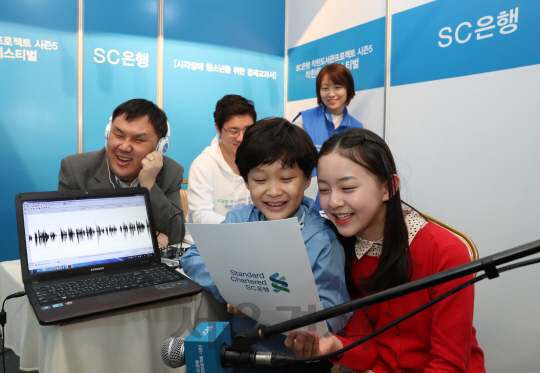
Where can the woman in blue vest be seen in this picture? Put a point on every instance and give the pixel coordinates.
(335, 89)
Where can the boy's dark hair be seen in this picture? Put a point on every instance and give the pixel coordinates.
(276, 139)
(369, 150)
(231, 105)
(337, 74)
(139, 107)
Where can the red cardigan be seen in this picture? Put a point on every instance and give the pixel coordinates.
(438, 339)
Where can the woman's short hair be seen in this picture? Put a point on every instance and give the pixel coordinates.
(337, 74)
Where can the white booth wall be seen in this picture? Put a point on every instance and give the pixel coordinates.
(466, 147)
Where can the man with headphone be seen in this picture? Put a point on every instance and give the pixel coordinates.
(136, 138)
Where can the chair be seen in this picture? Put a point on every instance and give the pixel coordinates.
(473, 251)
(183, 198)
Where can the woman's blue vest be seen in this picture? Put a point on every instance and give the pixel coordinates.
(318, 124)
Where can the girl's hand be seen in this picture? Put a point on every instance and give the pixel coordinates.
(234, 311)
(309, 344)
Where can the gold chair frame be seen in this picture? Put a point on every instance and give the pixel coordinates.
(183, 198)
(473, 251)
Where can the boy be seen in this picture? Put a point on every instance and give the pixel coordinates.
(276, 160)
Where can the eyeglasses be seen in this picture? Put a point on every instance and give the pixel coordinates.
(234, 133)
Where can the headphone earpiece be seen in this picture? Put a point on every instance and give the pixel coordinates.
(108, 131)
(162, 145)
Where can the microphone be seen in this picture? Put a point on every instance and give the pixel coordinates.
(172, 352)
(208, 346)
(198, 344)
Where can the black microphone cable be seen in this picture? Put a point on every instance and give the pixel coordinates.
(183, 224)
(256, 358)
(3, 320)
(419, 309)
(179, 356)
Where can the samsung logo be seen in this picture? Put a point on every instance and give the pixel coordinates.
(97, 269)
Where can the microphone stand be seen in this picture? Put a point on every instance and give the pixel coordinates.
(243, 339)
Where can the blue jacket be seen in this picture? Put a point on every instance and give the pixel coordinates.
(318, 124)
(326, 258)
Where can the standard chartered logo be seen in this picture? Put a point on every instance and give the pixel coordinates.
(279, 284)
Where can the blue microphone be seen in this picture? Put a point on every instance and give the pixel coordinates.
(201, 350)
(208, 348)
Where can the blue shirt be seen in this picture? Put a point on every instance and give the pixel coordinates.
(325, 255)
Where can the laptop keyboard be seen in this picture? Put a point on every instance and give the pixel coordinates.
(104, 285)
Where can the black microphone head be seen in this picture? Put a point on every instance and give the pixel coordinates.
(172, 352)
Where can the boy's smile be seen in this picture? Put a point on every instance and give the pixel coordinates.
(277, 191)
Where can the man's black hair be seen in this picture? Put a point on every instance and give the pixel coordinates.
(139, 107)
(231, 105)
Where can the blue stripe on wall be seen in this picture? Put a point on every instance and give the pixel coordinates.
(37, 103)
(214, 50)
(420, 53)
(257, 26)
(115, 33)
(366, 62)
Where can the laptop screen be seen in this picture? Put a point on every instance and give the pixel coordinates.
(71, 233)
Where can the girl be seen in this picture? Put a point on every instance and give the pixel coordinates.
(335, 89)
(386, 246)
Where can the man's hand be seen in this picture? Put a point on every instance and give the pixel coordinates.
(162, 239)
(151, 165)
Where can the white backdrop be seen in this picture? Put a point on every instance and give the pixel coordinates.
(467, 151)
(470, 159)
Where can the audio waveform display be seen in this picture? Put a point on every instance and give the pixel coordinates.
(88, 233)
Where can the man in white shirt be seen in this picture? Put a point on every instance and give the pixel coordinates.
(215, 185)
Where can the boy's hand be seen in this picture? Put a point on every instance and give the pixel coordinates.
(234, 311)
(151, 165)
(309, 344)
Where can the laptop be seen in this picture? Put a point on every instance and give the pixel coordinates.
(88, 252)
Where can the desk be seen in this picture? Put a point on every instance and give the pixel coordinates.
(128, 340)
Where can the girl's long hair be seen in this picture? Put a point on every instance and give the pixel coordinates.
(371, 152)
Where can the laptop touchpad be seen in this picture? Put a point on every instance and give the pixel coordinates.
(121, 297)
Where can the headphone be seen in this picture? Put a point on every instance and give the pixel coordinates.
(162, 145)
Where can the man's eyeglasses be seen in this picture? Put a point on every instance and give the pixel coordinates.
(234, 132)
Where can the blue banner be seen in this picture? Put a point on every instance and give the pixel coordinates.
(360, 48)
(216, 50)
(120, 60)
(452, 38)
(37, 102)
